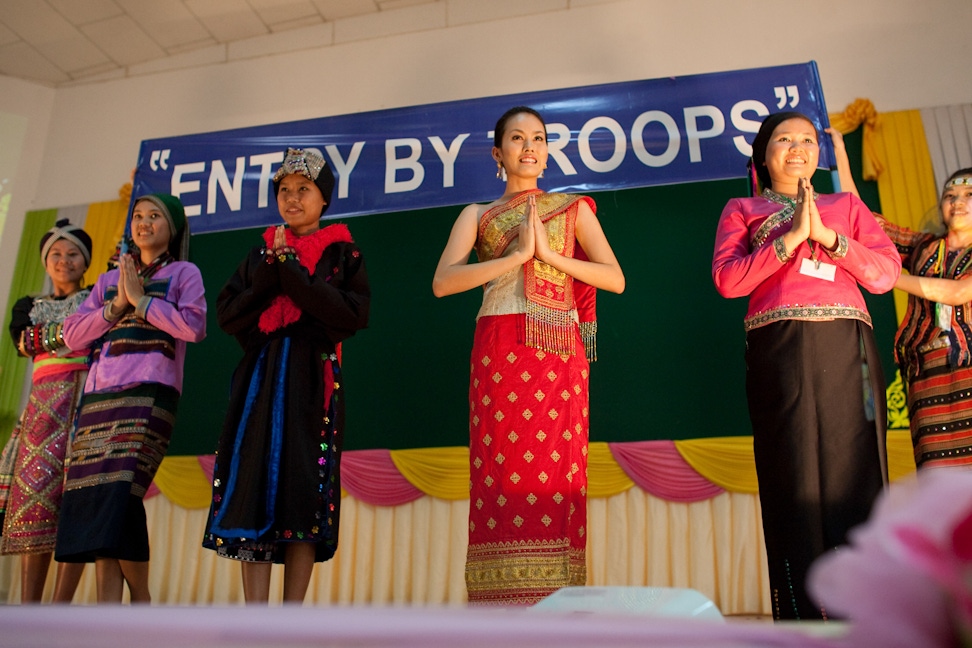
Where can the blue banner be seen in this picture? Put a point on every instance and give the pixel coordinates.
(604, 137)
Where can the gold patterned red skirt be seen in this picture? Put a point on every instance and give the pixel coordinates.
(528, 430)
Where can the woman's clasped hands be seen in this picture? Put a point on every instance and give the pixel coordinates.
(533, 236)
(130, 288)
(807, 224)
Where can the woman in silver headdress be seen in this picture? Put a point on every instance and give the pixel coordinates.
(293, 299)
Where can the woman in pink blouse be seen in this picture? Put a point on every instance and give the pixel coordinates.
(813, 377)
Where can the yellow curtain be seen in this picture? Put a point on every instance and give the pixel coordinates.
(896, 155)
(183, 481)
(907, 185)
(605, 478)
(725, 461)
(440, 472)
(105, 224)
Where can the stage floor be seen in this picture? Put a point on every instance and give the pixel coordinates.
(375, 627)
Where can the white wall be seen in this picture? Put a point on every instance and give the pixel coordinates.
(33, 103)
(901, 54)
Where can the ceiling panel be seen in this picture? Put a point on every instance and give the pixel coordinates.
(276, 12)
(61, 41)
(22, 61)
(227, 20)
(82, 12)
(123, 40)
(169, 22)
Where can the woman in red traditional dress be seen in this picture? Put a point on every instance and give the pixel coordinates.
(541, 257)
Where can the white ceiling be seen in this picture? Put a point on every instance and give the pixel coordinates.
(60, 41)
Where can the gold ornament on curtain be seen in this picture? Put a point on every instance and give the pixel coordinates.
(862, 111)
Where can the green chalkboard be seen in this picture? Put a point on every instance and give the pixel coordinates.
(670, 348)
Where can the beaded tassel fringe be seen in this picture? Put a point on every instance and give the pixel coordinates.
(550, 330)
(588, 331)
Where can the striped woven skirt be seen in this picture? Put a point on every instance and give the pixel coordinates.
(528, 467)
(120, 440)
(940, 408)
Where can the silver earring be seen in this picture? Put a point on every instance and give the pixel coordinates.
(541, 173)
(500, 172)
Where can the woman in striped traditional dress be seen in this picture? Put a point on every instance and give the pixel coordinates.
(933, 345)
(32, 465)
(138, 320)
(540, 258)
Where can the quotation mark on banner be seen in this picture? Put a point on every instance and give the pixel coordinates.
(782, 93)
(161, 159)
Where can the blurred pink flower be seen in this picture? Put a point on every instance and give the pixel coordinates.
(905, 579)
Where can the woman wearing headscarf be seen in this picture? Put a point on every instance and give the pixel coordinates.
(292, 301)
(933, 346)
(138, 320)
(814, 384)
(32, 465)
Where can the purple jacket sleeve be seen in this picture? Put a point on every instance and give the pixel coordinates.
(183, 313)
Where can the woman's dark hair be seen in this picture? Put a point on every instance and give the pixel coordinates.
(509, 114)
(762, 141)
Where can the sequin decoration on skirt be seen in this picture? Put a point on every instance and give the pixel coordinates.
(33, 465)
(940, 408)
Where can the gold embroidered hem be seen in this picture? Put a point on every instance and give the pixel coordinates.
(813, 313)
(522, 572)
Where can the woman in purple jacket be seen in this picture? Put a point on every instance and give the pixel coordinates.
(137, 321)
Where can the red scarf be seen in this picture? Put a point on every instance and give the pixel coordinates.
(282, 310)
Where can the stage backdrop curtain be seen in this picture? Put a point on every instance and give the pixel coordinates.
(949, 135)
(661, 513)
(696, 523)
(906, 184)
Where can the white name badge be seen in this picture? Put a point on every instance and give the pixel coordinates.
(943, 313)
(818, 269)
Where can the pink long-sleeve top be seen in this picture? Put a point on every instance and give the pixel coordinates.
(179, 310)
(747, 263)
